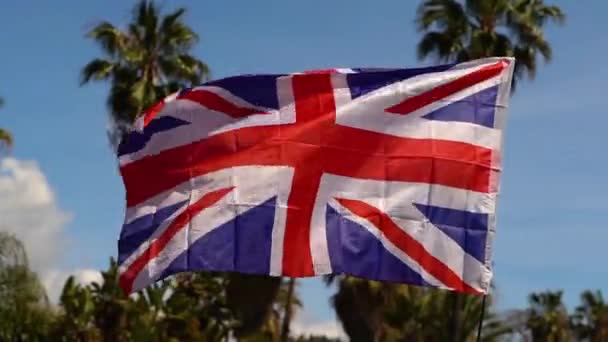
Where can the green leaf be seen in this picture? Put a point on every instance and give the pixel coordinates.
(110, 38)
(96, 70)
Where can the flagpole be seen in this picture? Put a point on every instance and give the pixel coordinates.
(483, 310)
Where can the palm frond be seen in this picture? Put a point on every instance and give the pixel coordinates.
(143, 12)
(533, 37)
(146, 61)
(331, 279)
(146, 17)
(442, 13)
(96, 70)
(124, 111)
(177, 38)
(135, 33)
(185, 67)
(502, 45)
(171, 19)
(540, 13)
(251, 297)
(525, 61)
(458, 31)
(109, 37)
(12, 251)
(6, 139)
(553, 13)
(442, 45)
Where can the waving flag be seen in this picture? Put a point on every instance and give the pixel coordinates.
(384, 174)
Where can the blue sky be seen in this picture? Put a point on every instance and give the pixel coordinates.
(552, 230)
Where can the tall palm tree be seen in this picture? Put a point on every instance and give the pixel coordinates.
(251, 298)
(6, 139)
(548, 318)
(148, 59)
(277, 321)
(288, 303)
(111, 314)
(591, 317)
(463, 30)
(12, 251)
(419, 314)
(458, 31)
(199, 307)
(77, 317)
(24, 307)
(376, 311)
(360, 306)
(150, 314)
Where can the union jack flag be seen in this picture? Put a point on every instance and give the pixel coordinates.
(384, 174)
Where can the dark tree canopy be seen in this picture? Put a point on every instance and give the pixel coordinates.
(462, 30)
(144, 61)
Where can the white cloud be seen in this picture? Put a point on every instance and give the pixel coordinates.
(54, 280)
(29, 209)
(305, 325)
(87, 276)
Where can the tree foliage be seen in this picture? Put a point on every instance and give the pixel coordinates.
(200, 307)
(377, 311)
(25, 313)
(6, 139)
(460, 31)
(144, 61)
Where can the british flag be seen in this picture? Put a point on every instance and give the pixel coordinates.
(384, 174)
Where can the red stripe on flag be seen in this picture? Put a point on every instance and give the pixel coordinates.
(418, 101)
(314, 102)
(155, 248)
(349, 152)
(217, 103)
(418, 169)
(407, 244)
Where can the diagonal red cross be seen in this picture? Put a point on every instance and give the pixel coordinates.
(315, 145)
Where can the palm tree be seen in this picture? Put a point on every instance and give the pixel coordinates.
(77, 317)
(419, 314)
(360, 306)
(590, 320)
(111, 314)
(199, 307)
(277, 318)
(25, 313)
(548, 318)
(6, 139)
(375, 311)
(287, 302)
(251, 299)
(145, 61)
(12, 251)
(149, 313)
(459, 31)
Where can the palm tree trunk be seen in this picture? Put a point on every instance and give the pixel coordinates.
(287, 314)
(455, 321)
